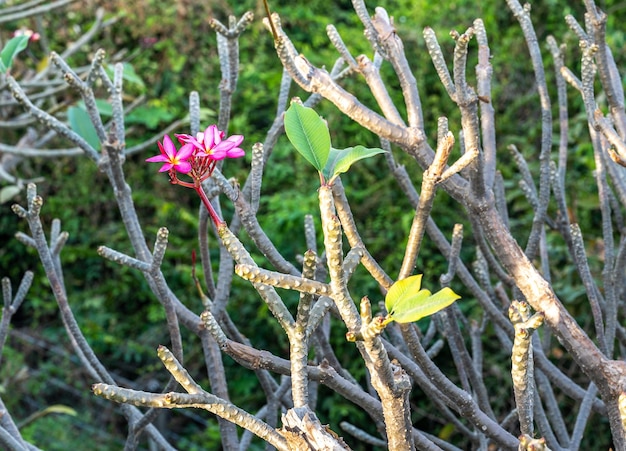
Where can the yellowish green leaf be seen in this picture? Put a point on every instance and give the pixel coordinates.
(401, 289)
(421, 304)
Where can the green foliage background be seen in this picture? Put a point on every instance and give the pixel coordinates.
(173, 51)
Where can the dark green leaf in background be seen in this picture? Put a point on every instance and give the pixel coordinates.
(81, 124)
(10, 51)
(128, 74)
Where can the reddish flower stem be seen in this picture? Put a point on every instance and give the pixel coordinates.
(205, 200)
(197, 186)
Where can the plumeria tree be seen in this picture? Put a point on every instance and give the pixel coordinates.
(508, 299)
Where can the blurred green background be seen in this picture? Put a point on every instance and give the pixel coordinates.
(173, 51)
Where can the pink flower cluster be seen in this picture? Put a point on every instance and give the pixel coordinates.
(197, 158)
(32, 35)
(198, 154)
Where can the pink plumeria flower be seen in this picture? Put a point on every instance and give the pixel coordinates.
(32, 35)
(210, 143)
(173, 159)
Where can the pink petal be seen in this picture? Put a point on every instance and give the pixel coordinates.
(188, 139)
(200, 136)
(158, 159)
(185, 152)
(235, 153)
(183, 137)
(224, 146)
(197, 144)
(161, 148)
(166, 167)
(230, 143)
(206, 137)
(183, 167)
(212, 136)
(235, 139)
(169, 147)
(219, 154)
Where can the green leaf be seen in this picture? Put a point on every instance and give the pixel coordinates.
(406, 303)
(128, 74)
(308, 133)
(149, 116)
(401, 289)
(10, 51)
(333, 156)
(207, 114)
(341, 160)
(406, 306)
(423, 304)
(81, 124)
(104, 107)
(9, 192)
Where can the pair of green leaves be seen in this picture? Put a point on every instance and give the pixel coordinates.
(10, 51)
(406, 302)
(309, 134)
